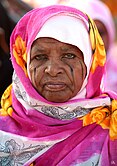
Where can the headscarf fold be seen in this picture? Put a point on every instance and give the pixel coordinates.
(98, 10)
(81, 130)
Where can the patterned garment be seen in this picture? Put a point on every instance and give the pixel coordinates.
(34, 131)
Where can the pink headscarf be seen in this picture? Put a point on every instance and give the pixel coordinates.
(34, 130)
(97, 10)
(100, 11)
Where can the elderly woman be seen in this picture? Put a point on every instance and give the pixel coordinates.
(55, 112)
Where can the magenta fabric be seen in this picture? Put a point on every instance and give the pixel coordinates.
(77, 144)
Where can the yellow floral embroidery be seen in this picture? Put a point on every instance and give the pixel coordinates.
(105, 117)
(6, 102)
(98, 115)
(32, 164)
(114, 105)
(99, 56)
(19, 52)
(113, 121)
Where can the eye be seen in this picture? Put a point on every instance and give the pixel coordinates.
(69, 56)
(41, 57)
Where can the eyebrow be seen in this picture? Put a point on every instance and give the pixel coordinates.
(38, 48)
(70, 48)
(66, 48)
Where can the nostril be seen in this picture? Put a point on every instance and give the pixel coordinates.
(53, 71)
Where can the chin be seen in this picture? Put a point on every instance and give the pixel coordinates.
(57, 97)
(57, 100)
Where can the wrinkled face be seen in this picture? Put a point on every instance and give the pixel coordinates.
(103, 33)
(57, 69)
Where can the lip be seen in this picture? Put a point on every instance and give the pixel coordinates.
(58, 86)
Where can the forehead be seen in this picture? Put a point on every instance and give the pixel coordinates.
(47, 41)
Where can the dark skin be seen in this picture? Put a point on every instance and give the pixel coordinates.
(57, 69)
(103, 33)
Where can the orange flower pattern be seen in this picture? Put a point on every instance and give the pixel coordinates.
(6, 102)
(106, 117)
(99, 57)
(113, 121)
(19, 52)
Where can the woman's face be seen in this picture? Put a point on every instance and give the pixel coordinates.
(57, 69)
(103, 33)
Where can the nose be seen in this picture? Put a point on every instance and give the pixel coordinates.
(54, 67)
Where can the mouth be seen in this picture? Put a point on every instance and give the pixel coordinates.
(54, 87)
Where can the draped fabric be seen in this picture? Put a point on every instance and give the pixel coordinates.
(81, 131)
(100, 11)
